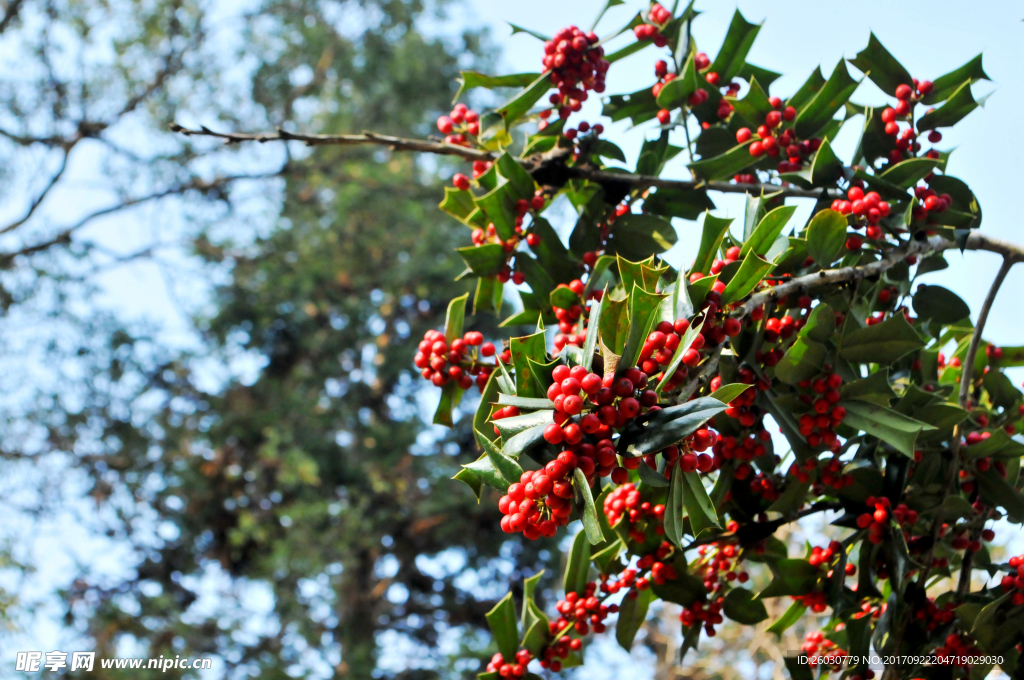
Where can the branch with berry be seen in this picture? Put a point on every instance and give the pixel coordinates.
(683, 415)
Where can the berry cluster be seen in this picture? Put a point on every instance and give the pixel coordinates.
(583, 610)
(958, 650)
(660, 16)
(699, 613)
(610, 402)
(625, 502)
(719, 562)
(817, 601)
(577, 64)
(867, 209)
(931, 616)
(516, 668)
(817, 646)
(906, 97)
(441, 363)
(821, 395)
(572, 331)
(460, 124)
(1015, 583)
(541, 501)
(876, 521)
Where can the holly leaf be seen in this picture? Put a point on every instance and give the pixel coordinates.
(502, 622)
(751, 272)
(711, 238)
(891, 427)
(653, 431)
(732, 56)
(827, 167)
(957, 107)
(882, 343)
(577, 568)
(643, 312)
(767, 231)
(819, 111)
(946, 85)
(878, 64)
(699, 507)
(826, 236)
(741, 607)
(636, 237)
(632, 613)
(939, 304)
(469, 80)
(674, 526)
(724, 166)
(506, 467)
(802, 361)
(907, 173)
(515, 108)
(726, 393)
(788, 618)
(591, 525)
(791, 577)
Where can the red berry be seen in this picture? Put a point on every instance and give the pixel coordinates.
(460, 181)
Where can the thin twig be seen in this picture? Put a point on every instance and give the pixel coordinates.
(428, 146)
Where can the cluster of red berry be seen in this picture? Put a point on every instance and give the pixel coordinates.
(440, 362)
(742, 407)
(577, 64)
(959, 650)
(699, 613)
(906, 96)
(570, 330)
(516, 668)
(720, 562)
(877, 520)
(626, 501)
(817, 601)
(818, 647)
(867, 209)
(613, 402)
(931, 615)
(660, 16)
(583, 610)
(462, 121)
(541, 501)
(822, 396)
(1015, 583)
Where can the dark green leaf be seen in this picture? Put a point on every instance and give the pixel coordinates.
(763, 75)
(909, 172)
(674, 529)
(502, 621)
(578, 567)
(817, 113)
(797, 670)
(653, 431)
(688, 204)
(826, 236)
(751, 272)
(590, 344)
(724, 166)
(741, 607)
(802, 361)
(632, 613)
(451, 393)
(488, 397)
(732, 55)
(960, 104)
(791, 577)
(651, 477)
(821, 324)
(524, 402)
(754, 106)
(472, 479)
(469, 80)
(874, 389)
(643, 313)
(518, 444)
(602, 147)
(613, 324)
(715, 229)
(998, 445)
(699, 507)
(636, 237)
(528, 347)
(459, 204)
(675, 93)
(806, 93)
(506, 467)
(882, 343)
(891, 427)
(997, 491)
(940, 305)
(591, 525)
(827, 167)
(726, 393)
(638, 106)
(528, 31)
(945, 85)
(529, 588)
(881, 67)
(488, 296)
(516, 424)
(767, 230)
(514, 108)
(485, 260)
(1000, 389)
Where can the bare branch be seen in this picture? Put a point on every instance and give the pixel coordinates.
(427, 146)
(394, 143)
(42, 195)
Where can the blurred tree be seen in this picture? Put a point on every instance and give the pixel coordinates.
(281, 482)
